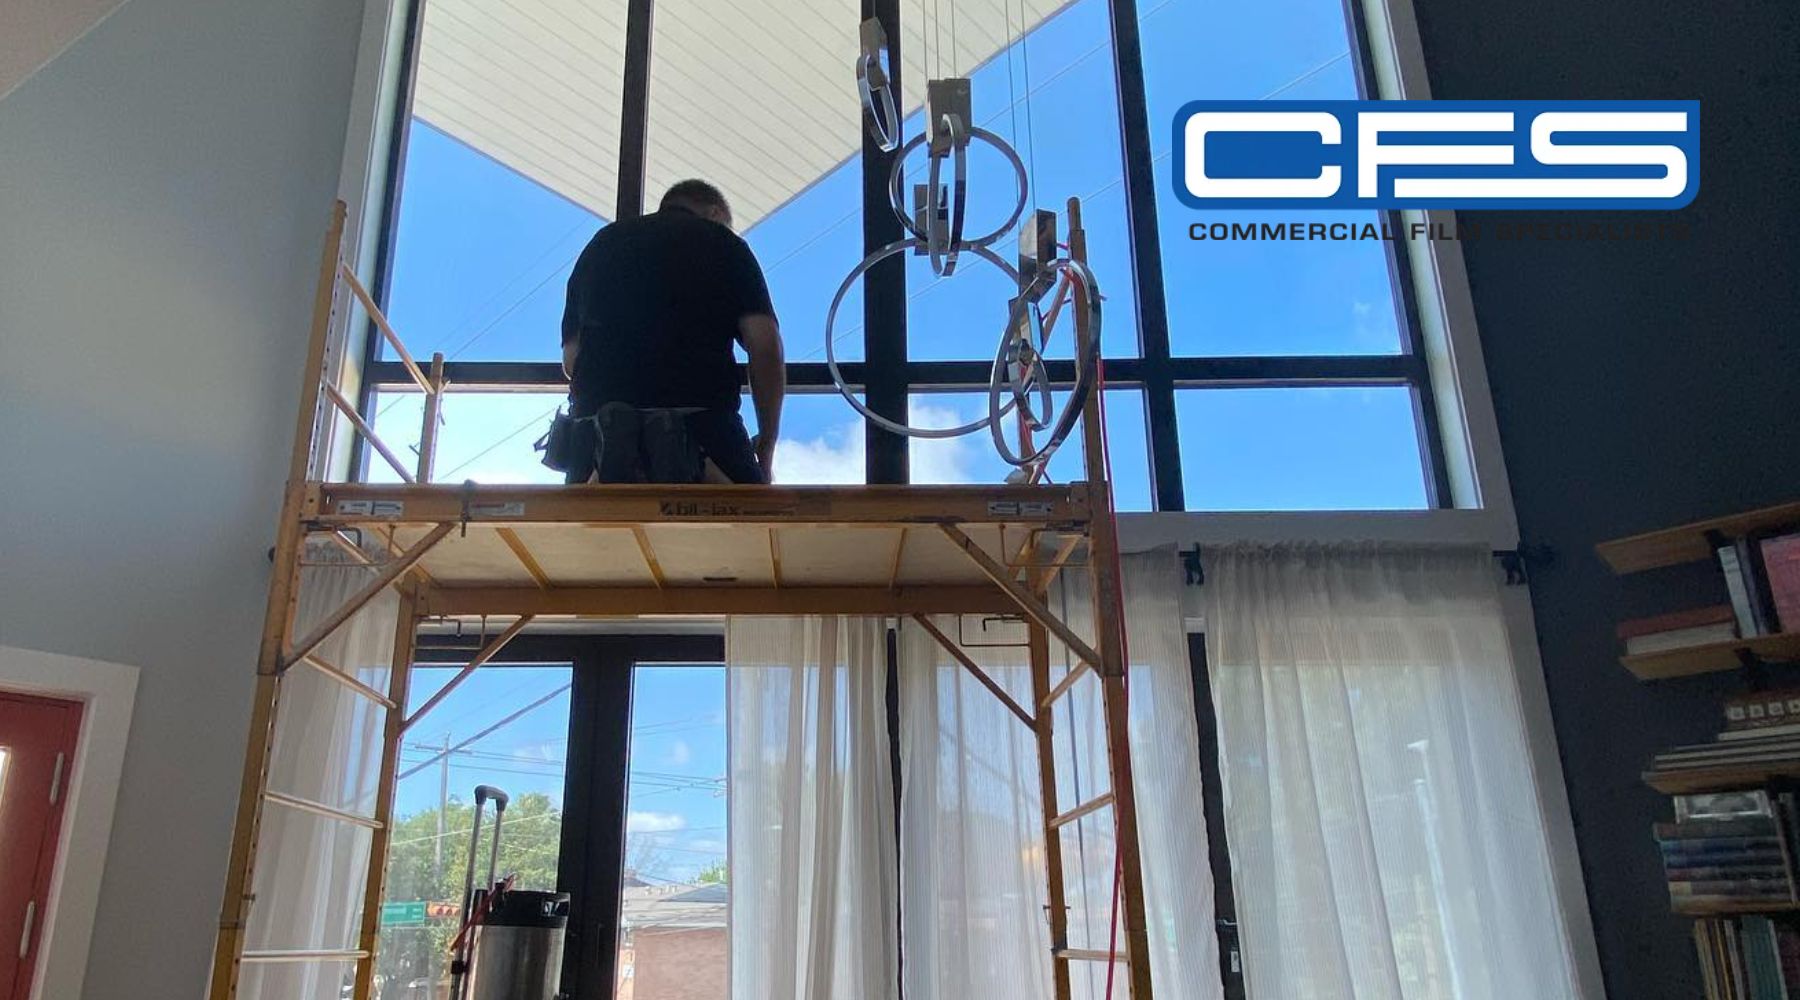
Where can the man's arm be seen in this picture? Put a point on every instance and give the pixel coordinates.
(761, 337)
(571, 349)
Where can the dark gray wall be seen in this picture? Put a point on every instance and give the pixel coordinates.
(1638, 385)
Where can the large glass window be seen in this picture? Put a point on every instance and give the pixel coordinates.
(1246, 297)
(1300, 449)
(517, 154)
(510, 165)
(1043, 80)
(677, 881)
(756, 97)
(507, 727)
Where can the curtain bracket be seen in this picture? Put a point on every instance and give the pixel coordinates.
(1517, 562)
(1196, 572)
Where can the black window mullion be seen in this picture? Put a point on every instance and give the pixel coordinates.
(951, 376)
(884, 286)
(634, 112)
(1146, 257)
(592, 852)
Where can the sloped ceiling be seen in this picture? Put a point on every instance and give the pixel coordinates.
(758, 96)
(33, 32)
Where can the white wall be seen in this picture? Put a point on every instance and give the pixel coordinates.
(163, 188)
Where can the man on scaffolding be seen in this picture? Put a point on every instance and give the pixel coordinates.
(654, 306)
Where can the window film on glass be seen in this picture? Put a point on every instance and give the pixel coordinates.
(1042, 80)
(505, 726)
(760, 99)
(1254, 297)
(677, 876)
(973, 459)
(757, 98)
(822, 440)
(1300, 449)
(511, 164)
(484, 436)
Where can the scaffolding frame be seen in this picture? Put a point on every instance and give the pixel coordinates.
(1055, 522)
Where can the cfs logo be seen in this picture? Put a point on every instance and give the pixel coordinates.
(1437, 154)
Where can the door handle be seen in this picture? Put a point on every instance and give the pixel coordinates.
(25, 937)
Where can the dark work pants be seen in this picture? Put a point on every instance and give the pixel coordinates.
(622, 444)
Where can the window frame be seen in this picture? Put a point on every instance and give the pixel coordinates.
(596, 781)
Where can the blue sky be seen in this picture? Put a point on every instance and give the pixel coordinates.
(483, 254)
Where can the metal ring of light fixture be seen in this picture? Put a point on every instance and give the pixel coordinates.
(942, 248)
(1087, 367)
(897, 200)
(878, 102)
(1019, 381)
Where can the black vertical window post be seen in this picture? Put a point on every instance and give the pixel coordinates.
(884, 286)
(592, 853)
(1146, 257)
(634, 114)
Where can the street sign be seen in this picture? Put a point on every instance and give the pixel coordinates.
(406, 914)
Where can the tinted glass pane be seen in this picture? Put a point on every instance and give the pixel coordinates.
(758, 98)
(1300, 449)
(1043, 81)
(673, 939)
(484, 436)
(1252, 297)
(504, 726)
(821, 442)
(974, 459)
(511, 164)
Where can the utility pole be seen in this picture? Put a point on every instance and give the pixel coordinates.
(437, 862)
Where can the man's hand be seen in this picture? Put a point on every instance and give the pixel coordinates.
(764, 447)
(761, 338)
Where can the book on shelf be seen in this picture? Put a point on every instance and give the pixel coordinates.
(1781, 563)
(1698, 806)
(1751, 957)
(1741, 561)
(1732, 851)
(1765, 751)
(1678, 629)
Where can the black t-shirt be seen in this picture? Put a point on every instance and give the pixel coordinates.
(655, 302)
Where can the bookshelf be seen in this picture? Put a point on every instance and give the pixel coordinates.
(1712, 657)
(1720, 856)
(1699, 541)
(1690, 542)
(1701, 780)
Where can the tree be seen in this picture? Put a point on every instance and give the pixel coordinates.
(715, 874)
(530, 842)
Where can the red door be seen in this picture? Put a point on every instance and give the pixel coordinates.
(37, 750)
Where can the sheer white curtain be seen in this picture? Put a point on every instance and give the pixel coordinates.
(1383, 819)
(813, 866)
(310, 869)
(972, 824)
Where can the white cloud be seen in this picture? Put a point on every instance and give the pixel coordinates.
(836, 455)
(653, 822)
(680, 753)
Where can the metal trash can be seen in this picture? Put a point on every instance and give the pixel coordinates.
(518, 951)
